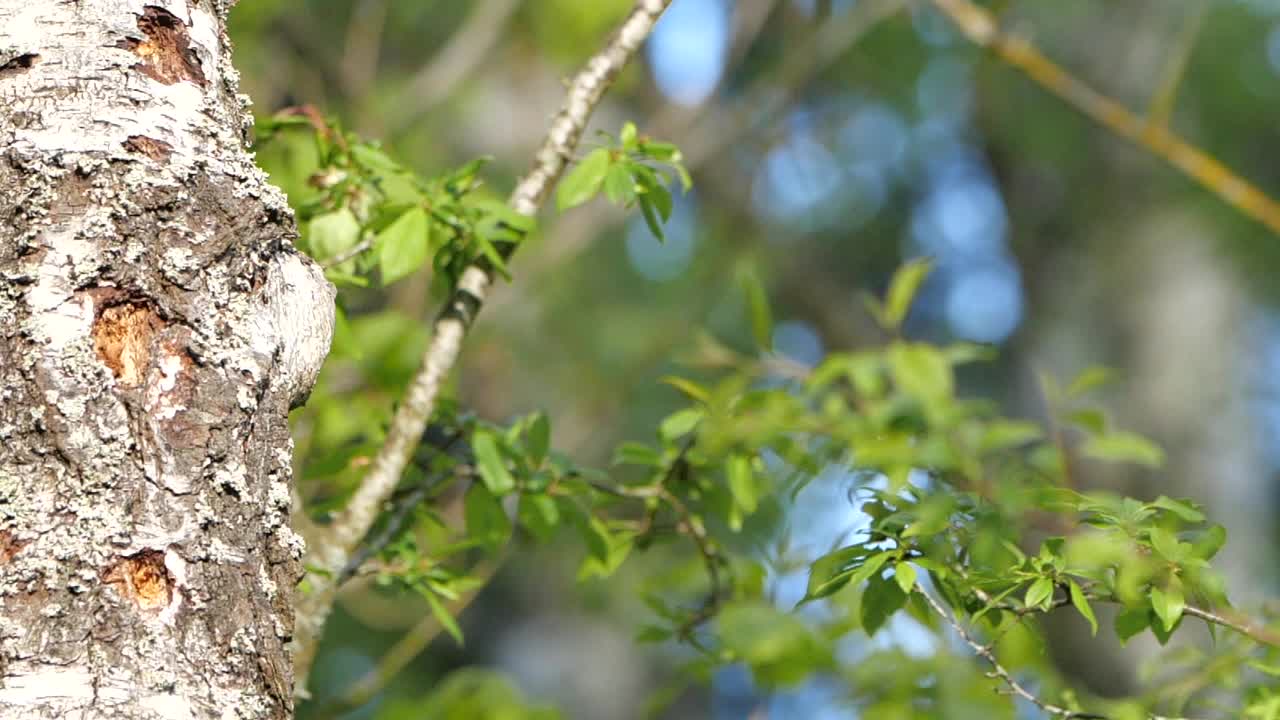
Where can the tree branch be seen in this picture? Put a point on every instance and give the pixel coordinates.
(981, 27)
(998, 670)
(336, 544)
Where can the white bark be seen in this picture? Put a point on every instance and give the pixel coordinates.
(155, 327)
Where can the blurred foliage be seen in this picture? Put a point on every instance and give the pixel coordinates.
(651, 429)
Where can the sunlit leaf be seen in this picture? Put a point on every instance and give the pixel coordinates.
(492, 467)
(404, 245)
(1082, 606)
(584, 180)
(1124, 447)
(902, 290)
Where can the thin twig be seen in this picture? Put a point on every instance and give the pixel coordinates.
(348, 254)
(982, 29)
(350, 526)
(998, 670)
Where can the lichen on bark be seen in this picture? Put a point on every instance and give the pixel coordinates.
(156, 326)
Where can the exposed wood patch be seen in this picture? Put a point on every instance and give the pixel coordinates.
(9, 546)
(19, 64)
(157, 150)
(122, 336)
(166, 52)
(142, 578)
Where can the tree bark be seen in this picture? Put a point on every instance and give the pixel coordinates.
(156, 326)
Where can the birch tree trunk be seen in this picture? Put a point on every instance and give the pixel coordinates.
(156, 325)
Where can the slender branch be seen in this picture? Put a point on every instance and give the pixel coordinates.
(998, 670)
(331, 554)
(981, 27)
(349, 253)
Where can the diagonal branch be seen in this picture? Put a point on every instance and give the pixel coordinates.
(981, 27)
(998, 670)
(333, 549)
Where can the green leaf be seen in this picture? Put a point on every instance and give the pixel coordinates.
(1094, 377)
(1167, 546)
(690, 388)
(1082, 606)
(619, 187)
(584, 181)
(628, 136)
(905, 574)
(1131, 622)
(404, 245)
(333, 233)
(921, 371)
(1168, 605)
(902, 290)
(1210, 542)
(1185, 509)
(679, 423)
(1039, 594)
(1006, 434)
(834, 570)
(487, 522)
(650, 214)
(538, 438)
(758, 307)
(742, 483)
(636, 454)
(1124, 447)
(1090, 420)
(493, 469)
(442, 616)
(881, 600)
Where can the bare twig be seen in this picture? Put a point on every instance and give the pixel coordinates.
(349, 253)
(350, 526)
(981, 27)
(467, 48)
(998, 670)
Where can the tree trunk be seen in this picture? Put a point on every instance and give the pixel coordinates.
(156, 325)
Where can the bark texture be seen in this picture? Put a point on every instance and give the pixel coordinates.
(156, 326)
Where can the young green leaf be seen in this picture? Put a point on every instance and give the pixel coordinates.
(538, 438)
(921, 371)
(1039, 594)
(742, 484)
(619, 187)
(905, 575)
(679, 423)
(758, 307)
(1124, 447)
(333, 233)
(902, 290)
(584, 181)
(881, 600)
(442, 616)
(404, 245)
(487, 522)
(1168, 604)
(1082, 606)
(1131, 622)
(493, 469)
